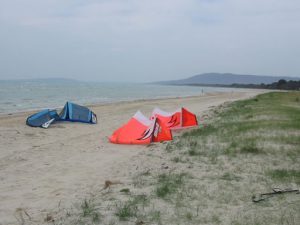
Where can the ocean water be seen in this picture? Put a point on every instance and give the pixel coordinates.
(18, 96)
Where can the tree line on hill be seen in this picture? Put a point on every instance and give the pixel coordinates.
(281, 85)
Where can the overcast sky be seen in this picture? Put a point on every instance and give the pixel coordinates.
(139, 40)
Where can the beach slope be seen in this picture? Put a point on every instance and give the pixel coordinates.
(42, 169)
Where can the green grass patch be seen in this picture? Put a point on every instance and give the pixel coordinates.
(179, 159)
(250, 148)
(205, 131)
(168, 184)
(284, 175)
(235, 129)
(126, 210)
(89, 211)
(154, 216)
(125, 190)
(230, 177)
(131, 207)
(193, 152)
(189, 216)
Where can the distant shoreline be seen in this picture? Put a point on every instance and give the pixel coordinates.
(120, 102)
(273, 86)
(30, 98)
(18, 113)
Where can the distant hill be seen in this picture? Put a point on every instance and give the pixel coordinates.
(226, 79)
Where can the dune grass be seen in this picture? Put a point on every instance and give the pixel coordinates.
(250, 127)
(168, 184)
(130, 208)
(285, 175)
(89, 210)
(254, 144)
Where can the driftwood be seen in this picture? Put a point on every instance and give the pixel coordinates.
(109, 183)
(276, 191)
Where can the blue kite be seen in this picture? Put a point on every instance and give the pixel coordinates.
(71, 112)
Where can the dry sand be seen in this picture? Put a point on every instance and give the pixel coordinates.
(43, 168)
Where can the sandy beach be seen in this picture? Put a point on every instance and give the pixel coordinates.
(42, 169)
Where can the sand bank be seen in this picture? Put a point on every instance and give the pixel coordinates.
(43, 169)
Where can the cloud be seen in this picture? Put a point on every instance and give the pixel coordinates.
(134, 14)
(143, 39)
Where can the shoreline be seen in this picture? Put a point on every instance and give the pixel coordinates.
(93, 105)
(19, 113)
(101, 104)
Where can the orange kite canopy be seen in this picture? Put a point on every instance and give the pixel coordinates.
(181, 118)
(140, 130)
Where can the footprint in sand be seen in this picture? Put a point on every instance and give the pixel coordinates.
(30, 134)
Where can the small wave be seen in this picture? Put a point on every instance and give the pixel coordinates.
(55, 96)
(7, 103)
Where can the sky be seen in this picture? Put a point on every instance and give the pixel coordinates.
(142, 41)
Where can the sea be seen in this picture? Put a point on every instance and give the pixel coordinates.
(28, 95)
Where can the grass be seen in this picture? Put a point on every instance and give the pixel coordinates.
(89, 210)
(266, 113)
(125, 190)
(193, 152)
(130, 208)
(249, 136)
(155, 216)
(179, 159)
(126, 210)
(230, 177)
(168, 184)
(250, 148)
(189, 216)
(284, 175)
